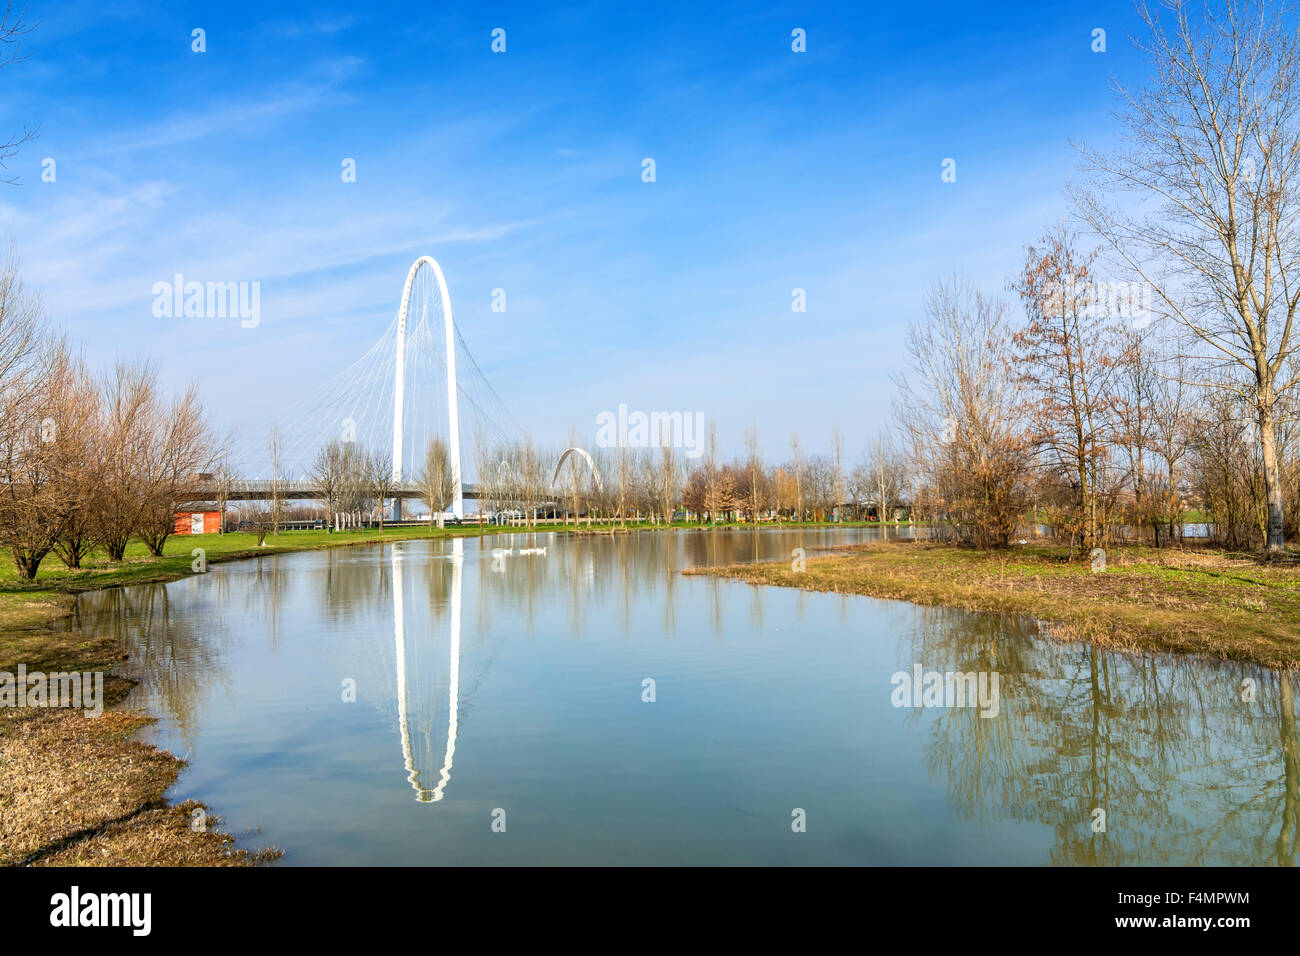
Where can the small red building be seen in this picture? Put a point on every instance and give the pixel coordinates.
(198, 520)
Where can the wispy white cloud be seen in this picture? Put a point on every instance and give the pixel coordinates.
(239, 116)
(319, 26)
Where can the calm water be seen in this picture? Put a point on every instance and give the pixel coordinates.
(521, 690)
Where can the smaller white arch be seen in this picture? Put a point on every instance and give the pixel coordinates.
(582, 452)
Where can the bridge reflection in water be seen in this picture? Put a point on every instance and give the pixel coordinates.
(422, 793)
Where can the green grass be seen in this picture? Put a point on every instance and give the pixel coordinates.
(1193, 600)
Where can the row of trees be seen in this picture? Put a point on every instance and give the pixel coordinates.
(85, 461)
(656, 483)
(1098, 415)
(528, 482)
(353, 480)
(1080, 420)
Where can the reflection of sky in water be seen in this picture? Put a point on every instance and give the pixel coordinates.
(767, 700)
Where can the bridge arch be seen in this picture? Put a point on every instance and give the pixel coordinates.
(582, 453)
(399, 383)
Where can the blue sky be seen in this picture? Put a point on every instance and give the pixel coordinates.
(522, 171)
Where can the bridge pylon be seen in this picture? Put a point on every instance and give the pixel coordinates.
(399, 384)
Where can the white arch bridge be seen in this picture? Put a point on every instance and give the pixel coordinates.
(417, 384)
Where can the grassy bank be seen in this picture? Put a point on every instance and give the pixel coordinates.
(1195, 601)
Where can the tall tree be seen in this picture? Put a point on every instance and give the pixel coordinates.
(1171, 425)
(327, 471)
(1213, 161)
(1065, 361)
(30, 516)
(275, 502)
(884, 474)
(961, 411)
(668, 479)
(436, 480)
(129, 404)
(755, 477)
(177, 447)
(76, 454)
(797, 476)
(382, 482)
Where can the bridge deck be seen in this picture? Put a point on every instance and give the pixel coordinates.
(261, 489)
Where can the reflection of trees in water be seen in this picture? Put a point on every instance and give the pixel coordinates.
(1288, 830)
(353, 582)
(616, 572)
(1186, 771)
(177, 659)
(263, 593)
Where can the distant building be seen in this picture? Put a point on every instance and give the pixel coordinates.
(198, 519)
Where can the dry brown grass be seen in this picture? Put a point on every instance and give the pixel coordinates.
(1189, 601)
(79, 791)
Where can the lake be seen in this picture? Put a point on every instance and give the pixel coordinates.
(427, 703)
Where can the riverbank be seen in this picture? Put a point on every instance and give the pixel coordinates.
(1191, 601)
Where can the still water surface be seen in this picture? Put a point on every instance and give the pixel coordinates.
(521, 690)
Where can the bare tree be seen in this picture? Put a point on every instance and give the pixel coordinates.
(624, 471)
(1227, 468)
(254, 517)
(177, 448)
(75, 454)
(129, 403)
(668, 479)
(1137, 385)
(29, 503)
(784, 492)
(797, 475)
(437, 481)
(327, 471)
(961, 412)
(1172, 431)
(529, 477)
(275, 446)
(1214, 160)
(1064, 359)
(12, 29)
(484, 466)
(836, 463)
(756, 488)
(819, 486)
(382, 482)
(719, 484)
(355, 489)
(884, 474)
(223, 479)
